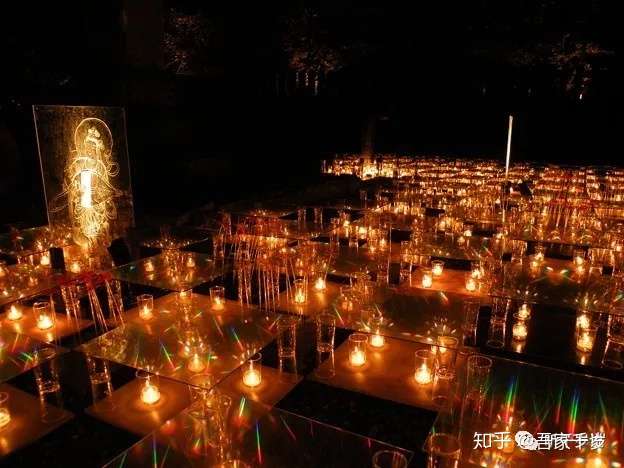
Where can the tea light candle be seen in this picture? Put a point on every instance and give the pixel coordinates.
(437, 267)
(150, 394)
(252, 378)
(44, 322)
(145, 303)
(15, 312)
(519, 331)
(190, 262)
(423, 375)
(427, 278)
(320, 284)
(471, 284)
(300, 291)
(196, 363)
(217, 297)
(524, 311)
(357, 358)
(149, 266)
(579, 259)
(585, 341)
(461, 240)
(468, 233)
(377, 341)
(583, 322)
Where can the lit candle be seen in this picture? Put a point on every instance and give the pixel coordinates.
(190, 262)
(524, 311)
(44, 322)
(252, 378)
(468, 233)
(150, 393)
(45, 260)
(15, 312)
(300, 291)
(427, 279)
(217, 303)
(423, 375)
(519, 331)
(74, 267)
(583, 322)
(145, 312)
(471, 284)
(461, 240)
(579, 259)
(357, 358)
(585, 341)
(437, 267)
(320, 285)
(377, 341)
(196, 363)
(149, 266)
(145, 303)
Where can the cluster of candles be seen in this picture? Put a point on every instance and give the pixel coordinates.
(585, 333)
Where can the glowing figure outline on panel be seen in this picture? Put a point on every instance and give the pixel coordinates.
(88, 181)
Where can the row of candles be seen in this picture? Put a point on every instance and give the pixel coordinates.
(42, 310)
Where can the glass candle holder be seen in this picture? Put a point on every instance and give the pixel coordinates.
(145, 303)
(524, 311)
(185, 298)
(376, 339)
(357, 349)
(578, 258)
(583, 321)
(519, 330)
(5, 413)
(190, 261)
(475, 270)
(586, 338)
(444, 451)
(45, 260)
(471, 283)
(217, 297)
(471, 308)
(389, 459)
(478, 373)
(148, 266)
(346, 300)
(287, 336)
(149, 391)
(446, 352)
(442, 386)
(196, 363)
(427, 278)
(325, 332)
(15, 312)
(252, 371)
(44, 315)
(75, 267)
(424, 361)
(540, 253)
(300, 293)
(46, 371)
(437, 267)
(320, 283)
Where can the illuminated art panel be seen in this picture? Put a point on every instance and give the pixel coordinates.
(84, 161)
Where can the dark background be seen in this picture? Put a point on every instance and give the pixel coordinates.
(218, 106)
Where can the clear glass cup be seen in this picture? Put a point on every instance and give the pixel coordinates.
(383, 269)
(252, 371)
(442, 386)
(44, 315)
(478, 373)
(99, 376)
(46, 370)
(300, 291)
(424, 365)
(586, 338)
(325, 332)
(357, 349)
(318, 216)
(446, 353)
(286, 336)
(426, 278)
(613, 357)
(496, 334)
(500, 309)
(5, 412)
(145, 304)
(209, 424)
(217, 297)
(389, 459)
(437, 267)
(444, 451)
(471, 307)
(149, 391)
